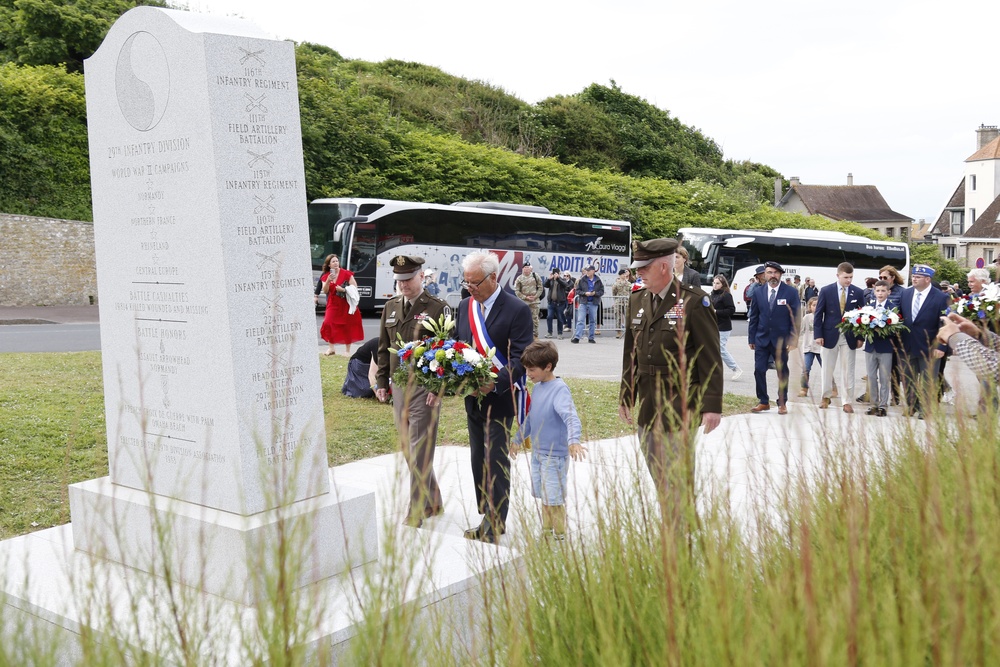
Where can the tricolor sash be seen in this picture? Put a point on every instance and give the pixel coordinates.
(482, 341)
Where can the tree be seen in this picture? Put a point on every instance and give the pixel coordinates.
(930, 254)
(44, 166)
(58, 32)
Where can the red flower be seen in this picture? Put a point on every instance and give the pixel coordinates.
(440, 371)
(459, 346)
(407, 355)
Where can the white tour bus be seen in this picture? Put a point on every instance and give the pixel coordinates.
(367, 233)
(735, 253)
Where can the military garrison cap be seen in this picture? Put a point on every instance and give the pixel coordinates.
(405, 267)
(644, 252)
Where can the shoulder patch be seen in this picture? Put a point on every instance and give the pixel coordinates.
(446, 311)
(705, 302)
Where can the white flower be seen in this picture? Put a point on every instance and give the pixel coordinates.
(471, 356)
(450, 354)
(434, 365)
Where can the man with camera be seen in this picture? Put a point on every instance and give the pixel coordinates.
(558, 288)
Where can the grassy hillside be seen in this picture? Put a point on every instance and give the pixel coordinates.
(409, 131)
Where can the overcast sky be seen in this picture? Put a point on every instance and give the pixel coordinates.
(889, 90)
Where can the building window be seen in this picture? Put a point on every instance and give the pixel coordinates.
(972, 216)
(890, 232)
(904, 233)
(957, 223)
(972, 182)
(988, 255)
(949, 251)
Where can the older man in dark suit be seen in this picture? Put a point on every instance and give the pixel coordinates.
(773, 331)
(922, 307)
(491, 317)
(834, 300)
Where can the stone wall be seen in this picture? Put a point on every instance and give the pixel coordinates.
(46, 262)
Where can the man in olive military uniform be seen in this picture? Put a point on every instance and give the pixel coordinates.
(528, 288)
(416, 410)
(671, 367)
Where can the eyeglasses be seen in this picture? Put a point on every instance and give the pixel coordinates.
(467, 285)
(885, 277)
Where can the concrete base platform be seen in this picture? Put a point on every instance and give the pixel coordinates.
(748, 461)
(58, 594)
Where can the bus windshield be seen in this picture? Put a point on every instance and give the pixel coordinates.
(322, 220)
(702, 254)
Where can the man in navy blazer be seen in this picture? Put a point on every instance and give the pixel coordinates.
(490, 412)
(834, 300)
(922, 307)
(773, 331)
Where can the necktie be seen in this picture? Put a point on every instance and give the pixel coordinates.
(916, 303)
(843, 299)
(482, 309)
(770, 301)
(406, 308)
(656, 302)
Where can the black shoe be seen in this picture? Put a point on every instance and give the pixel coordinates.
(591, 340)
(484, 533)
(882, 412)
(575, 340)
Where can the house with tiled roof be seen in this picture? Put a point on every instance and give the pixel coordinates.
(863, 204)
(968, 227)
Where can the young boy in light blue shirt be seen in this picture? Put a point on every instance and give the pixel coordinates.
(552, 432)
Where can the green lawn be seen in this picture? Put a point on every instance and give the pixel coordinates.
(52, 429)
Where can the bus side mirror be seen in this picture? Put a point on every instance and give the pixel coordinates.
(338, 230)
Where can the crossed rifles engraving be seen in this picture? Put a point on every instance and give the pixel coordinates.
(274, 259)
(260, 157)
(252, 55)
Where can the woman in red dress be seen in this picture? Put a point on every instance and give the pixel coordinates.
(338, 325)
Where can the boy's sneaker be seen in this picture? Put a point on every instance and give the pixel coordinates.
(574, 340)
(737, 374)
(548, 335)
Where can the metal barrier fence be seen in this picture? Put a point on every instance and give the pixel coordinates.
(610, 315)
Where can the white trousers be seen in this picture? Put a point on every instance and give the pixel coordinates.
(839, 353)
